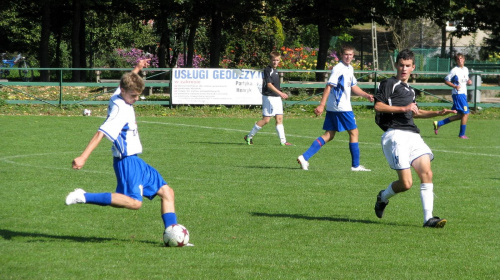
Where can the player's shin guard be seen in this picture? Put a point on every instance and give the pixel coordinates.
(443, 122)
(388, 193)
(315, 147)
(463, 127)
(102, 199)
(254, 130)
(169, 219)
(280, 129)
(427, 196)
(354, 149)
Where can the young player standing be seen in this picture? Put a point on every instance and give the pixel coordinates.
(458, 79)
(339, 114)
(402, 144)
(135, 178)
(272, 105)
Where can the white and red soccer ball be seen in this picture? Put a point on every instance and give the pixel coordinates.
(176, 235)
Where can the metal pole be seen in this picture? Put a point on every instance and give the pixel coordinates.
(475, 92)
(60, 87)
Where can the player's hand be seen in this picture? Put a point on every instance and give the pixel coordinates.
(370, 97)
(411, 107)
(78, 163)
(143, 63)
(319, 110)
(446, 112)
(284, 95)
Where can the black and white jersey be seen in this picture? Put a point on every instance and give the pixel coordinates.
(270, 76)
(393, 92)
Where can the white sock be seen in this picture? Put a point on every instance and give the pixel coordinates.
(254, 130)
(281, 132)
(388, 193)
(427, 196)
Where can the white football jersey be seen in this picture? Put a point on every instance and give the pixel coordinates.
(120, 127)
(341, 79)
(458, 76)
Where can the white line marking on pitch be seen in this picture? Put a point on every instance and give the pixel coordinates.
(311, 137)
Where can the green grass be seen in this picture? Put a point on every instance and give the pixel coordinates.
(252, 213)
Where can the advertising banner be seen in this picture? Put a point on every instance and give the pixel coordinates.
(208, 86)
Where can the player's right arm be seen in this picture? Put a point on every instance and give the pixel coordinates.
(143, 63)
(79, 162)
(321, 107)
(385, 108)
(450, 84)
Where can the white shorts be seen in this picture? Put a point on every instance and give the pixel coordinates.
(271, 106)
(402, 147)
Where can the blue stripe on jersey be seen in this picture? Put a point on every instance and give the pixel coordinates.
(339, 89)
(121, 142)
(455, 80)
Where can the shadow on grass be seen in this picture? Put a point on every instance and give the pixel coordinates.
(330, 219)
(269, 167)
(219, 143)
(9, 234)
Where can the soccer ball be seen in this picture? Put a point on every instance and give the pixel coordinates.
(176, 236)
(86, 112)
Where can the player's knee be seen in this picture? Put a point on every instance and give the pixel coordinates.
(426, 176)
(406, 184)
(166, 193)
(135, 205)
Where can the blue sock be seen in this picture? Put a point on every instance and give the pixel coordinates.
(462, 130)
(169, 219)
(315, 146)
(443, 122)
(354, 149)
(103, 199)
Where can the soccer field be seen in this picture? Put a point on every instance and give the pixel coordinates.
(251, 211)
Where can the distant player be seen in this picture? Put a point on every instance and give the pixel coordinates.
(402, 144)
(135, 178)
(272, 105)
(339, 115)
(458, 79)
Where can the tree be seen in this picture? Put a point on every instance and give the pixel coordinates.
(332, 18)
(19, 28)
(228, 16)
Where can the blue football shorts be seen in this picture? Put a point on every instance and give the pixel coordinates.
(339, 121)
(460, 103)
(135, 178)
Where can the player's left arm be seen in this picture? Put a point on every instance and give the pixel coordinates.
(359, 92)
(423, 114)
(271, 87)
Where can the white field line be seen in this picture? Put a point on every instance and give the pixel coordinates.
(10, 159)
(310, 137)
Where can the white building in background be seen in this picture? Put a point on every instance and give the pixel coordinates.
(466, 43)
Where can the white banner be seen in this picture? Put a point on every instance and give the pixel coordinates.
(203, 86)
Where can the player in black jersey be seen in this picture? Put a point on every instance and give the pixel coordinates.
(402, 144)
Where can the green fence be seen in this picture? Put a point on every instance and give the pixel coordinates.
(105, 81)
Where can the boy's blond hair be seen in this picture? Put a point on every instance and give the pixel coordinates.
(132, 82)
(274, 54)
